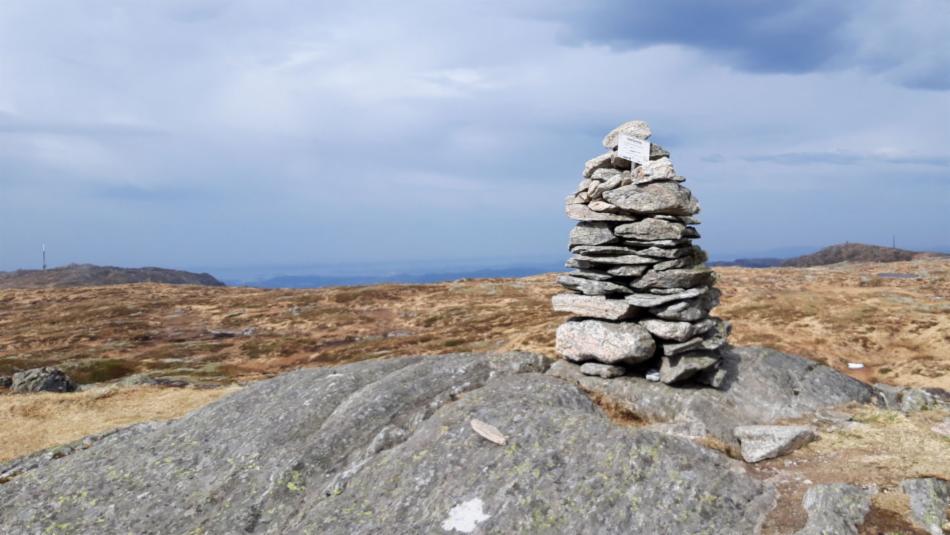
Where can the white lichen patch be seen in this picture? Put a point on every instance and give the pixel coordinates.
(465, 516)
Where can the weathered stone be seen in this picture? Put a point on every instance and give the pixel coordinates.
(592, 287)
(629, 259)
(581, 212)
(619, 163)
(606, 371)
(643, 300)
(683, 262)
(681, 367)
(583, 185)
(929, 499)
(599, 162)
(835, 509)
(591, 274)
(42, 380)
(690, 430)
(603, 207)
(597, 189)
(385, 446)
(603, 250)
(651, 228)
(675, 278)
(673, 251)
(657, 152)
(710, 340)
(592, 233)
(760, 442)
(762, 386)
(637, 129)
(605, 174)
(627, 271)
(6, 381)
(609, 343)
(656, 198)
(713, 376)
(679, 331)
(591, 306)
(658, 244)
(690, 310)
(659, 169)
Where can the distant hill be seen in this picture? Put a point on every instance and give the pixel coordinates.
(851, 252)
(321, 281)
(90, 275)
(748, 262)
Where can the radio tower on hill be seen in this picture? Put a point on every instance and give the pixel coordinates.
(44, 257)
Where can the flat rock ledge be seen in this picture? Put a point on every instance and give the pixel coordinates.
(835, 509)
(388, 446)
(759, 386)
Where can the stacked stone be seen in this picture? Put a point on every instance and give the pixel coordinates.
(640, 290)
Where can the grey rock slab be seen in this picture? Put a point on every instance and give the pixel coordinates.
(710, 340)
(619, 163)
(603, 341)
(645, 300)
(760, 442)
(762, 386)
(605, 174)
(679, 368)
(637, 129)
(689, 430)
(583, 185)
(689, 310)
(675, 278)
(605, 371)
(597, 189)
(679, 331)
(627, 271)
(592, 287)
(581, 212)
(835, 509)
(684, 262)
(605, 250)
(597, 162)
(658, 244)
(41, 380)
(591, 306)
(656, 198)
(651, 228)
(592, 274)
(929, 499)
(629, 259)
(592, 233)
(386, 446)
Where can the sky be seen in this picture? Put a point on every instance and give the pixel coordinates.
(219, 134)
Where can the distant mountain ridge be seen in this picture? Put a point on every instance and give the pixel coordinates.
(75, 275)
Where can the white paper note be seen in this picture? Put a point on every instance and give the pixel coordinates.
(634, 149)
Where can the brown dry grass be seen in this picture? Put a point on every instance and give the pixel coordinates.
(36, 421)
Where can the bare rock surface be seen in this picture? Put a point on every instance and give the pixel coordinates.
(761, 386)
(387, 446)
(929, 499)
(593, 306)
(835, 509)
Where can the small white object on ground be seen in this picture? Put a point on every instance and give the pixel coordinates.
(653, 376)
(465, 516)
(489, 432)
(855, 365)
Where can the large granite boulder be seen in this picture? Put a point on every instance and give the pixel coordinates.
(42, 380)
(760, 386)
(388, 446)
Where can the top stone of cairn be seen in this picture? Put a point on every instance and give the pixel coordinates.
(637, 129)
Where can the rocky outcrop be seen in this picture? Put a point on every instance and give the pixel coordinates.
(389, 446)
(757, 386)
(929, 498)
(837, 509)
(760, 442)
(42, 380)
(635, 266)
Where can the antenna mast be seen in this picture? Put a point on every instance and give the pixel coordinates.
(44, 257)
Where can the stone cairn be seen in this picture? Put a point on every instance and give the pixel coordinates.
(640, 290)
